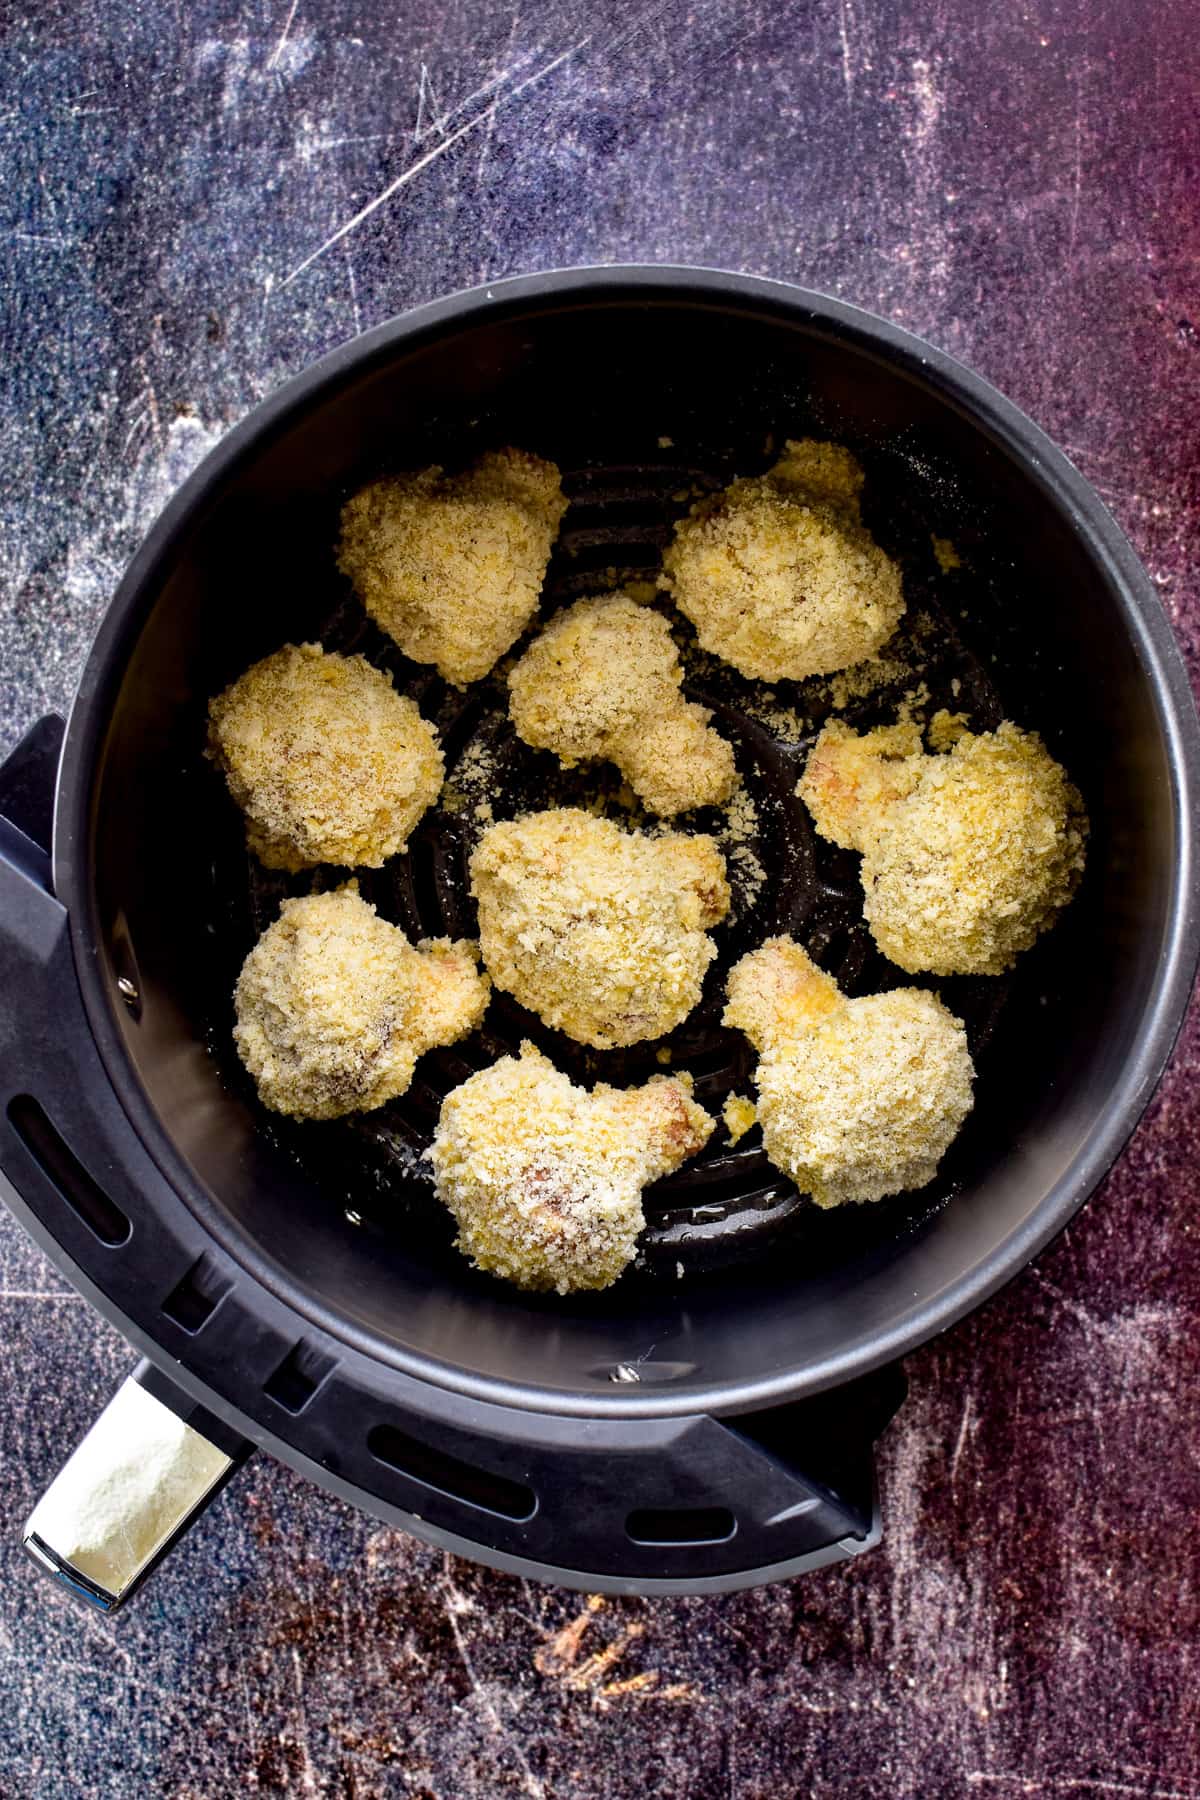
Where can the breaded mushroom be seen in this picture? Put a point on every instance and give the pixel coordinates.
(334, 1006)
(601, 932)
(451, 566)
(778, 574)
(602, 683)
(545, 1179)
(967, 855)
(859, 1098)
(327, 761)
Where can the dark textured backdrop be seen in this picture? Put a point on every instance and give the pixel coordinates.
(198, 199)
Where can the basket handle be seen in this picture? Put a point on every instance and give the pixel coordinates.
(149, 1466)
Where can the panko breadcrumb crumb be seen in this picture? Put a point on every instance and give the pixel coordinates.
(862, 679)
(739, 1115)
(451, 566)
(858, 1098)
(601, 932)
(327, 761)
(334, 1006)
(945, 728)
(779, 575)
(735, 837)
(602, 682)
(967, 856)
(545, 1180)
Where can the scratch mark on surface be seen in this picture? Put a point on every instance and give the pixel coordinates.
(251, 1721)
(427, 99)
(431, 156)
(1092, 1784)
(455, 1602)
(283, 36)
(36, 1294)
(922, 156)
(46, 237)
(309, 1776)
(557, 1659)
(486, 87)
(485, 148)
(141, 421)
(1076, 1308)
(268, 285)
(353, 290)
(1078, 182)
(540, 74)
(365, 137)
(928, 98)
(968, 1408)
(844, 20)
(641, 24)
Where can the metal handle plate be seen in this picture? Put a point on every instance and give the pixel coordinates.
(124, 1495)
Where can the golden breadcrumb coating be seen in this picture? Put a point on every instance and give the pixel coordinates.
(821, 471)
(451, 566)
(334, 1006)
(779, 575)
(600, 931)
(850, 780)
(327, 761)
(545, 1179)
(967, 855)
(856, 1098)
(602, 683)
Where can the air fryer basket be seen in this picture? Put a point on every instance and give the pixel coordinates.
(307, 1291)
(729, 1204)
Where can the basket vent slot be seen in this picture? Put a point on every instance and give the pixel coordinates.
(54, 1156)
(298, 1377)
(449, 1475)
(192, 1303)
(681, 1525)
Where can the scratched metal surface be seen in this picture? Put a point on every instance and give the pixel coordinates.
(198, 200)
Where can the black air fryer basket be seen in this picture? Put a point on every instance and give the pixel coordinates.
(709, 1423)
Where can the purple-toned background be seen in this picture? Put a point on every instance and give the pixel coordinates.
(1020, 184)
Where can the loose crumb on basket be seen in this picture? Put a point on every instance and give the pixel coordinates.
(945, 729)
(739, 1115)
(785, 723)
(736, 838)
(913, 702)
(472, 780)
(405, 1159)
(864, 678)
